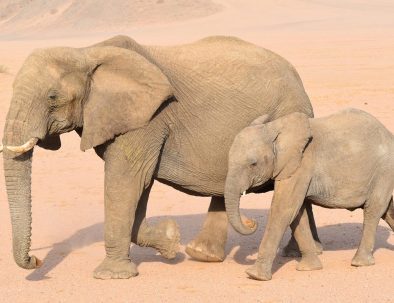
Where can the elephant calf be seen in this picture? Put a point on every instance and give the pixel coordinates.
(345, 160)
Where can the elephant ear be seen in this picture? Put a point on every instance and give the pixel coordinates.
(290, 135)
(125, 92)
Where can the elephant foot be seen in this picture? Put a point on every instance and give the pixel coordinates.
(363, 259)
(115, 269)
(210, 243)
(309, 262)
(319, 247)
(169, 237)
(206, 249)
(260, 271)
(164, 237)
(291, 250)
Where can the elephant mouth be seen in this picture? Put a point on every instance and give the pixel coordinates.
(262, 187)
(50, 142)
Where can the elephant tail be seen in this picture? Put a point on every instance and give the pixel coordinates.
(389, 214)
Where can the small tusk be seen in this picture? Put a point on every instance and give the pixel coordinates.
(1, 148)
(25, 147)
(244, 193)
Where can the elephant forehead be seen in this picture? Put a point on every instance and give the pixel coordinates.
(56, 61)
(54, 71)
(36, 71)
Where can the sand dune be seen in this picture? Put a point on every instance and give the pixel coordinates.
(25, 16)
(56, 18)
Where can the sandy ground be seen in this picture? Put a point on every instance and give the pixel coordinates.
(344, 52)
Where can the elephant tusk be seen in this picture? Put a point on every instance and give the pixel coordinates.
(25, 147)
(1, 148)
(244, 193)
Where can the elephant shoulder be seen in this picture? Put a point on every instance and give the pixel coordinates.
(121, 41)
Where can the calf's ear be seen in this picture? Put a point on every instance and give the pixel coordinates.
(291, 135)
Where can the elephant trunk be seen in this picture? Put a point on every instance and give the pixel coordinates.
(17, 173)
(232, 199)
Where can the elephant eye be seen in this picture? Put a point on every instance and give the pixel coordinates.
(52, 95)
(253, 164)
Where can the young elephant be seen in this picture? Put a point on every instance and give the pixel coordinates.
(345, 160)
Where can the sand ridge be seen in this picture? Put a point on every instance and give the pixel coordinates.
(59, 16)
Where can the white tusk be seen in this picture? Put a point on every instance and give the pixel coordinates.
(244, 193)
(1, 148)
(25, 147)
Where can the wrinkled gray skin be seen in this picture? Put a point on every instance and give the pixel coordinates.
(164, 113)
(345, 160)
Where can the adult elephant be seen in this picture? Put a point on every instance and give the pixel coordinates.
(165, 113)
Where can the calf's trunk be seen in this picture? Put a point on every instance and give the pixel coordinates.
(232, 199)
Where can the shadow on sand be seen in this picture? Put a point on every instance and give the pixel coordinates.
(344, 236)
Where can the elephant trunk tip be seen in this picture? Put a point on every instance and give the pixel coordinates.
(32, 262)
(240, 223)
(250, 226)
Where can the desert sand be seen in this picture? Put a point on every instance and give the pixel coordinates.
(344, 52)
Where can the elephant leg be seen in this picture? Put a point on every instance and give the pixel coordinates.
(303, 235)
(312, 224)
(292, 249)
(288, 199)
(163, 236)
(373, 211)
(209, 244)
(127, 176)
(363, 256)
(121, 195)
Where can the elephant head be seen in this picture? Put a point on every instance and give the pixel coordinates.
(260, 152)
(102, 90)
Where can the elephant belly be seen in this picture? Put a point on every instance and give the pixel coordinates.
(191, 175)
(335, 192)
(350, 203)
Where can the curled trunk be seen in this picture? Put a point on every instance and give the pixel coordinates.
(17, 172)
(232, 199)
